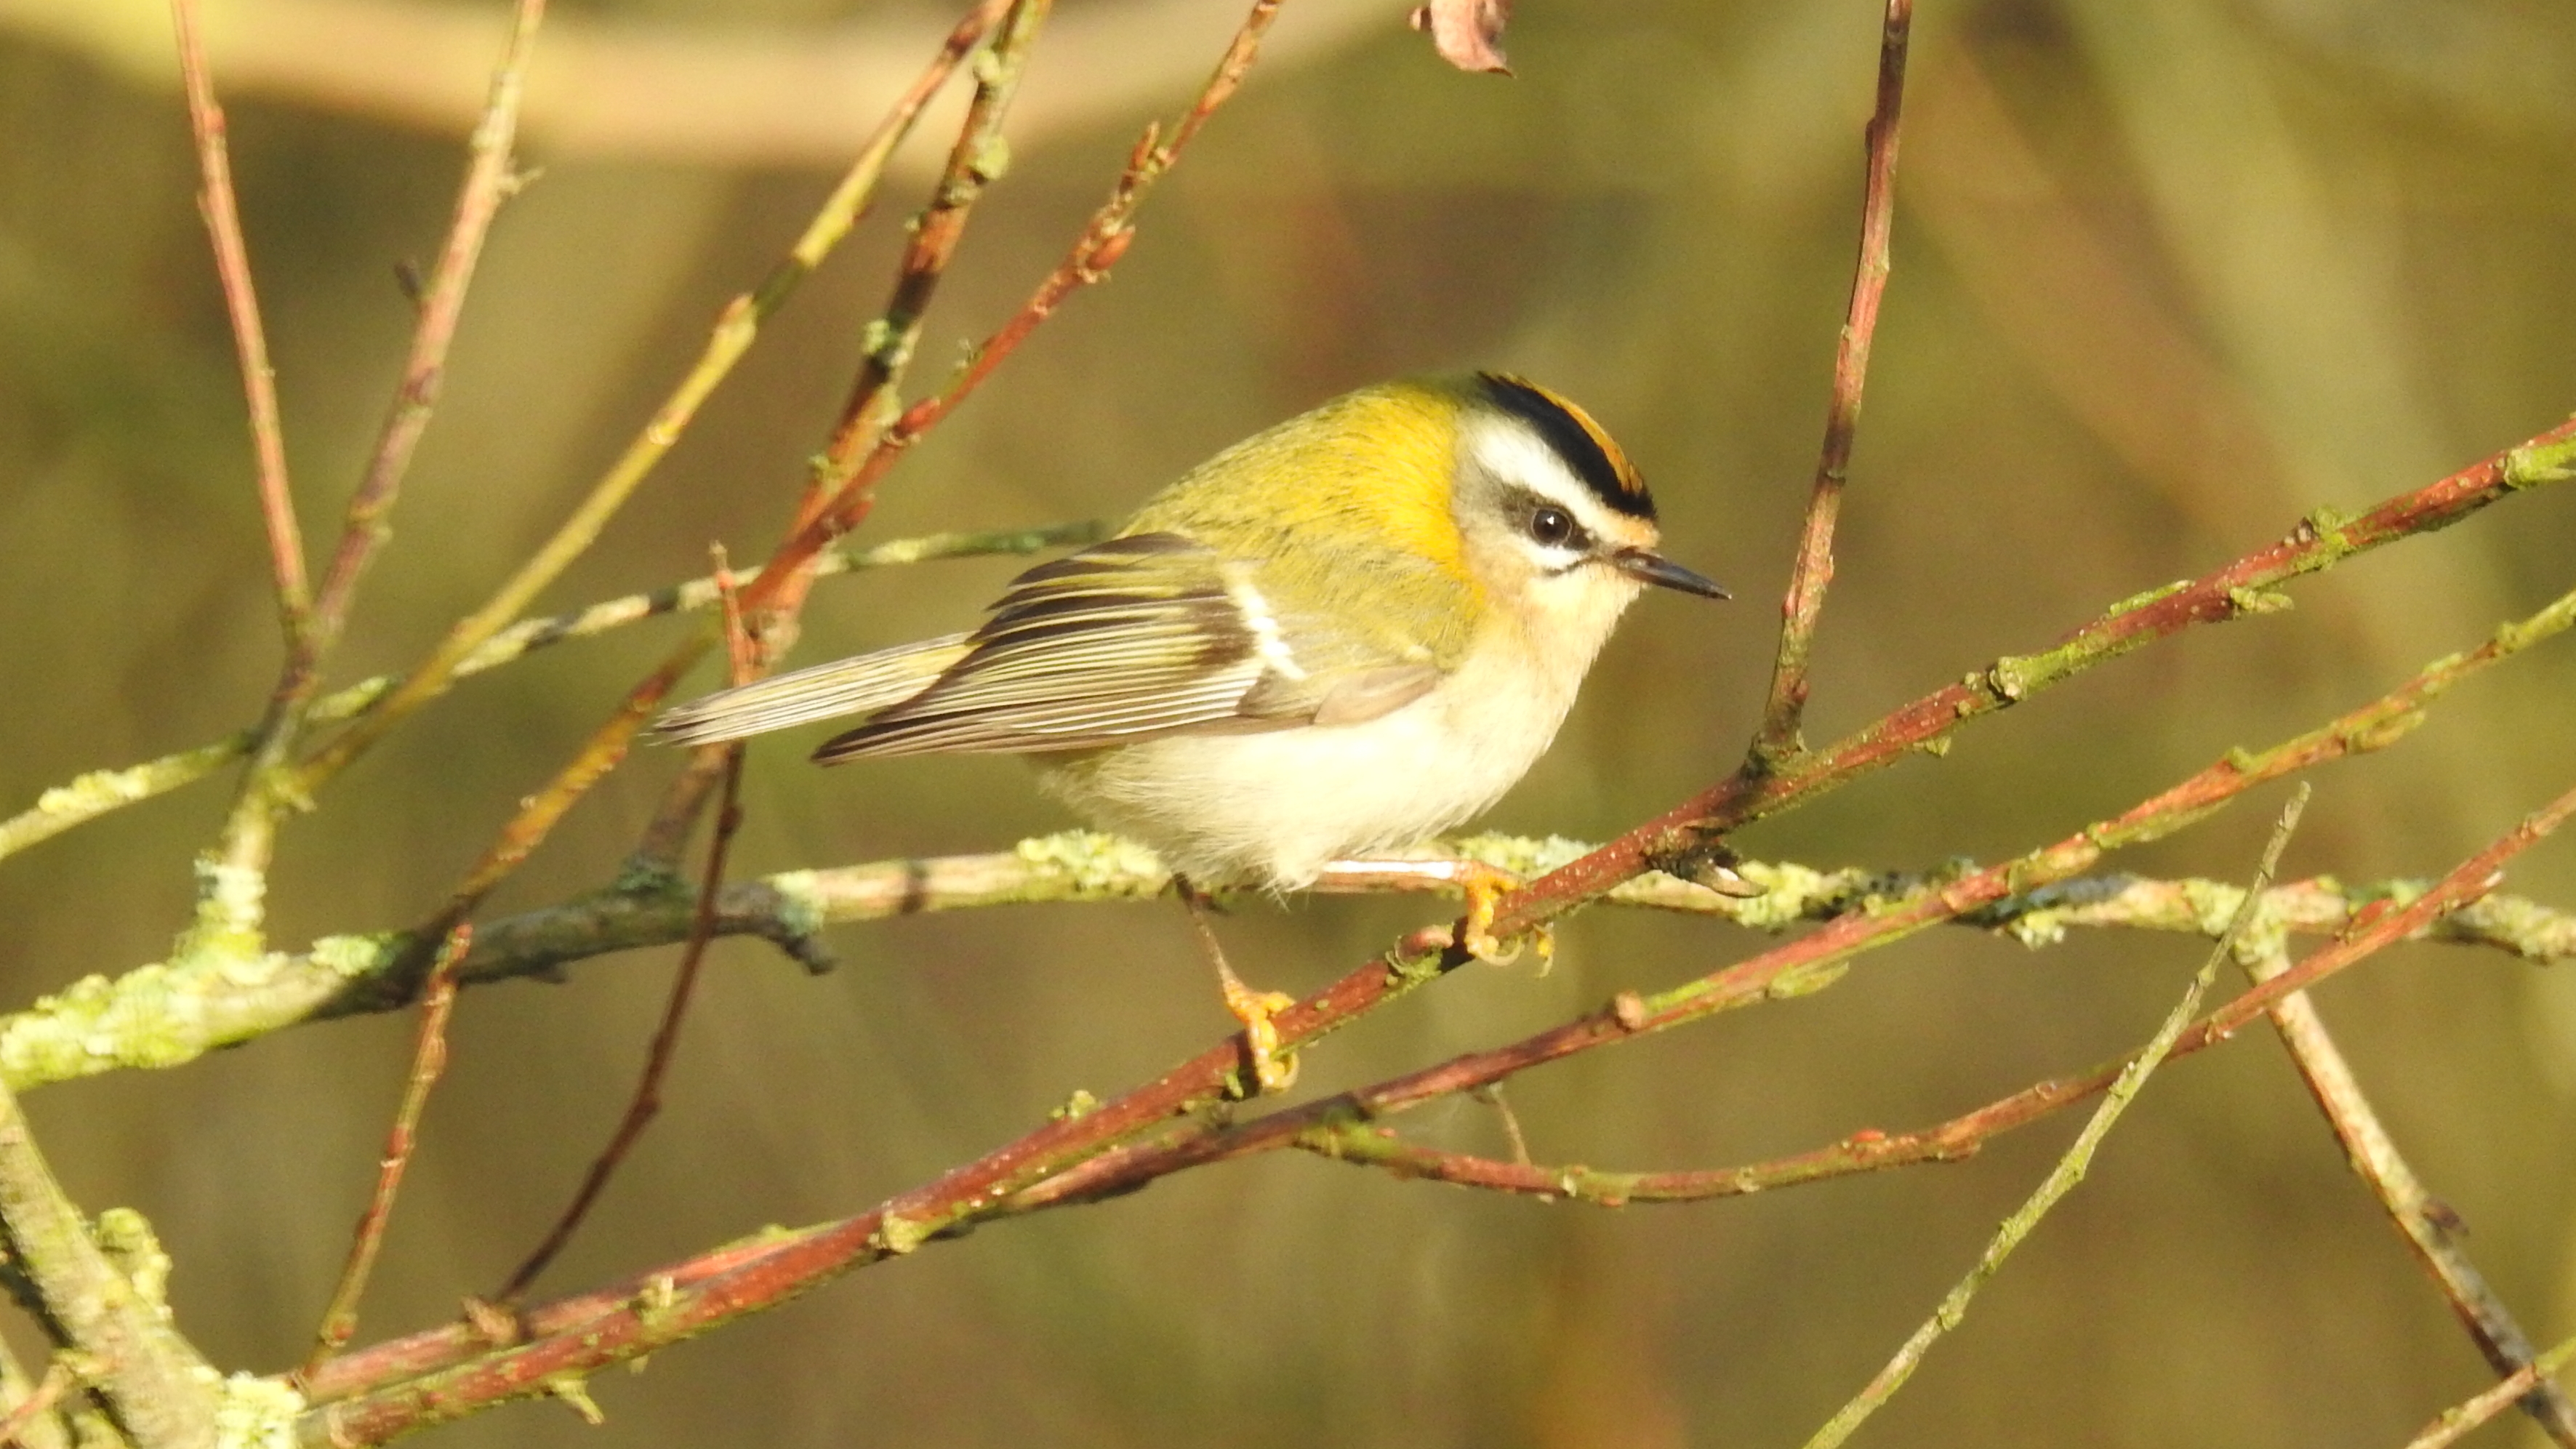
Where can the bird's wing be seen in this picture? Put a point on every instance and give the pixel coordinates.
(1143, 635)
(826, 691)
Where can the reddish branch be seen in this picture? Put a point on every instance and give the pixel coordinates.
(1341, 1126)
(428, 1062)
(435, 1375)
(1778, 740)
(490, 179)
(417, 1380)
(742, 657)
(1815, 960)
(250, 337)
(975, 160)
(2241, 588)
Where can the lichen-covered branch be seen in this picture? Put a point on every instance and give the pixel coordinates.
(155, 1016)
(160, 1389)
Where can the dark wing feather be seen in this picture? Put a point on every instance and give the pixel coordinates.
(1142, 635)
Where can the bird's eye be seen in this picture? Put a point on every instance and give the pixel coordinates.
(1553, 527)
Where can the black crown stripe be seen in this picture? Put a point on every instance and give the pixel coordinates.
(1597, 461)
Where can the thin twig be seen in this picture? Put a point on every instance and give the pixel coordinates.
(428, 1061)
(1097, 248)
(2454, 1423)
(491, 178)
(232, 877)
(102, 792)
(735, 329)
(215, 201)
(978, 157)
(39, 1401)
(2073, 1163)
(1099, 245)
(646, 1102)
(1778, 738)
(2430, 1227)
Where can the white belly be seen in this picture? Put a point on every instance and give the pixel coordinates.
(1278, 806)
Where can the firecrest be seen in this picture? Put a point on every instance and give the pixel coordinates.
(1348, 633)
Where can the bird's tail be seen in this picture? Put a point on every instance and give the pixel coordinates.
(862, 685)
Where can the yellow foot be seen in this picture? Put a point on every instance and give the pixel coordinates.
(1485, 886)
(1273, 1069)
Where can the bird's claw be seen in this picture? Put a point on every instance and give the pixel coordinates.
(1274, 1068)
(1485, 886)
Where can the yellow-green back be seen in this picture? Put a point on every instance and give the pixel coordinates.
(1345, 512)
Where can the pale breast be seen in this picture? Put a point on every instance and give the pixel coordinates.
(1276, 807)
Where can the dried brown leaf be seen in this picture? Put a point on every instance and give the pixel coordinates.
(1467, 33)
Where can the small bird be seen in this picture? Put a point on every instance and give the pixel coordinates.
(1347, 633)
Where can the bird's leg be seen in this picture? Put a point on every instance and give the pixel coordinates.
(1483, 885)
(1272, 1069)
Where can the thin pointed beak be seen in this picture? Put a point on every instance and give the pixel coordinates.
(1654, 568)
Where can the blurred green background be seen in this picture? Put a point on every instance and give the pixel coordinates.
(2167, 277)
